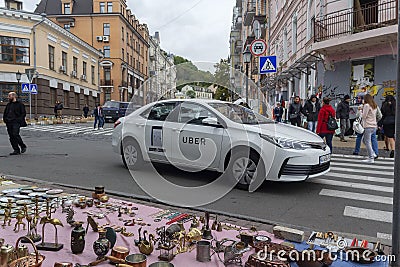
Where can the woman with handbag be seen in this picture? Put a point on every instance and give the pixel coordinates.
(369, 123)
(295, 112)
(359, 130)
(326, 116)
(388, 121)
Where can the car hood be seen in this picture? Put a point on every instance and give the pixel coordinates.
(285, 131)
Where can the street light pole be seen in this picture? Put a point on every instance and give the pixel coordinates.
(18, 76)
(396, 189)
(246, 60)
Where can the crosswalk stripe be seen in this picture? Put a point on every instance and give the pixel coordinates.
(69, 129)
(368, 214)
(372, 166)
(377, 162)
(361, 171)
(354, 157)
(109, 134)
(88, 130)
(360, 178)
(356, 196)
(104, 131)
(370, 187)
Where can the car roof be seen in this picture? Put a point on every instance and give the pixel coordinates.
(195, 100)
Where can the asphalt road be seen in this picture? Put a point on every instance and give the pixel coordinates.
(344, 201)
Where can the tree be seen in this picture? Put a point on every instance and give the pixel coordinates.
(222, 74)
(179, 60)
(222, 93)
(191, 94)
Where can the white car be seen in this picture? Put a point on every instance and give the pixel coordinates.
(220, 136)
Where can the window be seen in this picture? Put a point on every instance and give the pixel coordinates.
(102, 7)
(66, 98)
(193, 113)
(159, 112)
(131, 60)
(123, 54)
(53, 96)
(106, 29)
(294, 33)
(64, 60)
(107, 74)
(127, 57)
(285, 44)
(77, 101)
(123, 33)
(106, 51)
(84, 69)
(51, 57)
(67, 27)
(14, 50)
(67, 8)
(107, 94)
(75, 65)
(109, 7)
(87, 100)
(93, 75)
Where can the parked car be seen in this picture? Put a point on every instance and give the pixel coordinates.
(248, 145)
(113, 110)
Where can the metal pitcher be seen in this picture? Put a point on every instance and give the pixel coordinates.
(7, 255)
(203, 250)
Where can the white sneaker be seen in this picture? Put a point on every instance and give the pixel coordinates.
(368, 160)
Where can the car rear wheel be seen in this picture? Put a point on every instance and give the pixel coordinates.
(131, 154)
(245, 166)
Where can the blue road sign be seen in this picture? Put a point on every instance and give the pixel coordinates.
(33, 88)
(25, 87)
(267, 64)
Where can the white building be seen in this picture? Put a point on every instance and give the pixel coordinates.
(201, 93)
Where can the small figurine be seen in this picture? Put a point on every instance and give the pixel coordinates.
(7, 215)
(20, 217)
(70, 216)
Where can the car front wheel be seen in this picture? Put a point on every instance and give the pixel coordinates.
(131, 154)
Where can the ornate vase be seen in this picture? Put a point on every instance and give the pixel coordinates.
(78, 238)
(102, 245)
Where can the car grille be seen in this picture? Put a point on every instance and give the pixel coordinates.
(318, 145)
(303, 170)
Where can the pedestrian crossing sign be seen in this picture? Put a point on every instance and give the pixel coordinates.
(33, 88)
(25, 88)
(267, 64)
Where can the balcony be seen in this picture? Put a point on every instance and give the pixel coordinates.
(124, 84)
(106, 82)
(250, 13)
(351, 21)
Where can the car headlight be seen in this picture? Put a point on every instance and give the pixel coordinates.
(286, 143)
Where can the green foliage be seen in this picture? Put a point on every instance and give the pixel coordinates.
(222, 93)
(191, 94)
(188, 73)
(222, 74)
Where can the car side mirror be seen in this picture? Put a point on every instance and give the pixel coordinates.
(211, 122)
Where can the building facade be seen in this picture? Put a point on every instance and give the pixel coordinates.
(199, 92)
(65, 67)
(109, 26)
(162, 82)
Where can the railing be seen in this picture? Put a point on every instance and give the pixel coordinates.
(351, 21)
(124, 84)
(106, 83)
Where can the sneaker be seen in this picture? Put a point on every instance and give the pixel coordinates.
(368, 160)
(15, 153)
(392, 154)
(23, 150)
(355, 153)
(376, 157)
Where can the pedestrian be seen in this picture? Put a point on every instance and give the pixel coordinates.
(55, 109)
(14, 118)
(325, 113)
(85, 111)
(278, 112)
(310, 110)
(343, 114)
(370, 124)
(98, 117)
(59, 108)
(295, 112)
(388, 122)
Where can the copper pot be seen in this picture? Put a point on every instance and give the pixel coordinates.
(119, 253)
(161, 264)
(136, 260)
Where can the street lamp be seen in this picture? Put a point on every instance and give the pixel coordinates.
(18, 75)
(233, 87)
(246, 60)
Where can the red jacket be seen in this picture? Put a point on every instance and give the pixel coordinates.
(323, 116)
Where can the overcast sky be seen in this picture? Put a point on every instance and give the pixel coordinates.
(195, 29)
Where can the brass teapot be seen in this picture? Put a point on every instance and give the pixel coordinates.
(146, 247)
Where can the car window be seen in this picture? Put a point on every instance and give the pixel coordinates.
(123, 105)
(240, 114)
(159, 112)
(193, 113)
(111, 104)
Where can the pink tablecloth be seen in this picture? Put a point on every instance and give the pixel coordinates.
(144, 212)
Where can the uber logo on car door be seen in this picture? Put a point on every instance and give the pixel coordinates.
(193, 140)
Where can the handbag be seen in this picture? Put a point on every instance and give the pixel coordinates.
(332, 123)
(357, 127)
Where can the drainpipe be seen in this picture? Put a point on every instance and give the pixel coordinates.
(34, 64)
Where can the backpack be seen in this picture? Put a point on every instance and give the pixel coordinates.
(332, 123)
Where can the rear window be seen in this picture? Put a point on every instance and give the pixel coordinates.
(111, 104)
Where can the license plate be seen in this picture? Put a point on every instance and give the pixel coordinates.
(108, 117)
(324, 159)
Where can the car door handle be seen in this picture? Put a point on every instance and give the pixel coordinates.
(140, 124)
(176, 130)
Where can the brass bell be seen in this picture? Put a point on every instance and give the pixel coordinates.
(219, 227)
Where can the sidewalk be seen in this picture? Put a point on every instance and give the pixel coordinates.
(347, 148)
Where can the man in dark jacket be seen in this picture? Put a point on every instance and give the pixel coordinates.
(85, 111)
(343, 113)
(98, 117)
(295, 112)
(278, 112)
(14, 117)
(310, 110)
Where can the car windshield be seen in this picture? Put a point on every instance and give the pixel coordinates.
(240, 114)
(111, 104)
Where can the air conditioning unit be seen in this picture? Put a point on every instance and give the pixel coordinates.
(99, 38)
(62, 68)
(73, 74)
(83, 77)
(106, 38)
(72, 24)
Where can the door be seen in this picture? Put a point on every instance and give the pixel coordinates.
(193, 143)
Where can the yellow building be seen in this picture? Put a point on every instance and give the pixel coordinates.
(66, 66)
(109, 26)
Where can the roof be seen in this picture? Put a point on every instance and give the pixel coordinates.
(53, 7)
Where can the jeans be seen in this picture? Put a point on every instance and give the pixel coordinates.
(312, 125)
(374, 141)
(278, 119)
(296, 121)
(344, 127)
(100, 120)
(367, 140)
(15, 138)
(328, 139)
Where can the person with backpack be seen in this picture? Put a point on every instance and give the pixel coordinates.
(343, 114)
(369, 123)
(388, 122)
(295, 112)
(310, 110)
(326, 122)
(278, 112)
